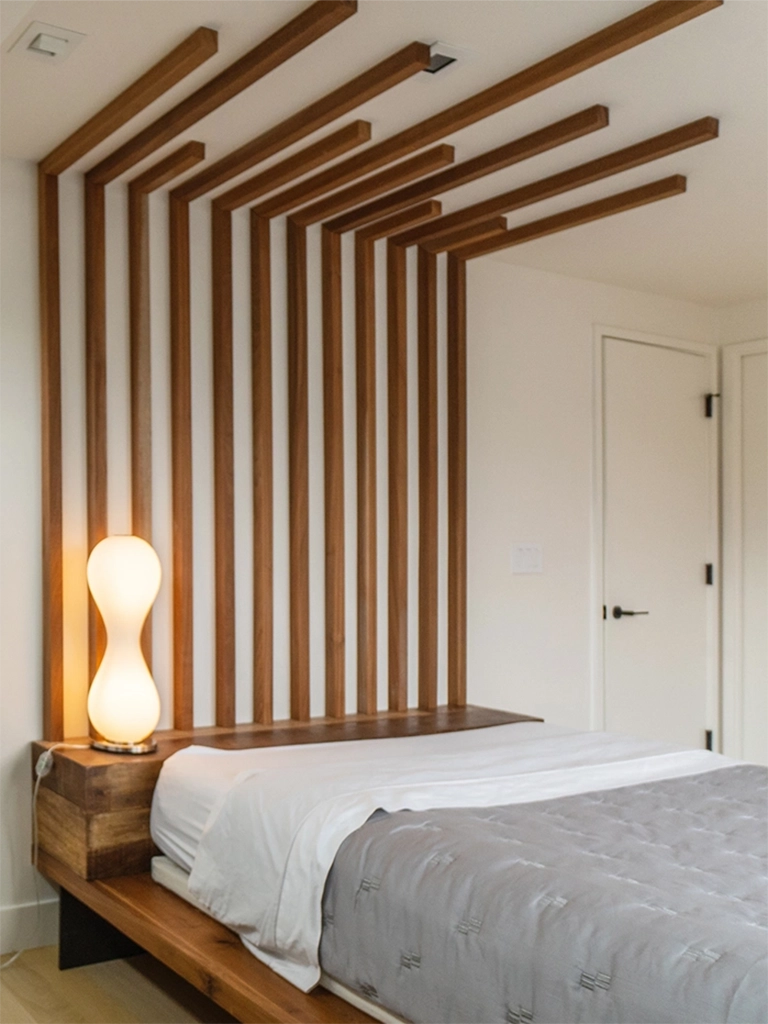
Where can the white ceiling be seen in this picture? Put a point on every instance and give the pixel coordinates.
(709, 246)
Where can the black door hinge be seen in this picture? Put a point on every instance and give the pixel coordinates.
(708, 739)
(708, 408)
(710, 574)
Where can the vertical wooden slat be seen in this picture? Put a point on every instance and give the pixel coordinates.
(181, 464)
(457, 481)
(139, 188)
(261, 369)
(365, 324)
(50, 352)
(427, 284)
(141, 379)
(95, 395)
(298, 469)
(223, 464)
(397, 359)
(333, 436)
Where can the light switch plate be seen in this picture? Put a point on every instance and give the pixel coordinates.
(527, 558)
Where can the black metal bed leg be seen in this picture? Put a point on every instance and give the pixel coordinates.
(86, 938)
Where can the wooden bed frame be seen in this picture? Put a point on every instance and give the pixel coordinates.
(94, 807)
(94, 842)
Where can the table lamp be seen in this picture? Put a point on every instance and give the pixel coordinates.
(123, 703)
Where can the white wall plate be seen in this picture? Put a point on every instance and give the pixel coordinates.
(52, 44)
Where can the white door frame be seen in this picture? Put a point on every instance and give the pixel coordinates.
(597, 687)
(733, 625)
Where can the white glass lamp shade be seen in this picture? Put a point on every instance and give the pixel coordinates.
(124, 578)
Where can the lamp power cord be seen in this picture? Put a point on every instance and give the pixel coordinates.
(43, 767)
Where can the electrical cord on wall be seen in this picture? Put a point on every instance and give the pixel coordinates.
(43, 766)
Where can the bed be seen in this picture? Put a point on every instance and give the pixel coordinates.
(516, 873)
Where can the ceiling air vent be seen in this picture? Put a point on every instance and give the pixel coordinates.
(443, 55)
(438, 62)
(47, 42)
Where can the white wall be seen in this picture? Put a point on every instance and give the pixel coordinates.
(530, 355)
(745, 321)
(20, 556)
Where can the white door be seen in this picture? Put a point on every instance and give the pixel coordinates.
(745, 551)
(659, 535)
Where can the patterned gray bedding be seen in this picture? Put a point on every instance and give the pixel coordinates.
(642, 904)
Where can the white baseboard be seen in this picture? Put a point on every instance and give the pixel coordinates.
(20, 927)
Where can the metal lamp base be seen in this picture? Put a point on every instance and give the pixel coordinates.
(148, 746)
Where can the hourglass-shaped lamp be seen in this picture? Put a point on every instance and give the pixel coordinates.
(123, 702)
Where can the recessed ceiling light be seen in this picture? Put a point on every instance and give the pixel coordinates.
(47, 42)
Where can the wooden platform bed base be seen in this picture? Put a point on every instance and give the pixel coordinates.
(202, 951)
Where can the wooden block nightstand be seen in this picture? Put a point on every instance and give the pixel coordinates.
(93, 810)
(93, 807)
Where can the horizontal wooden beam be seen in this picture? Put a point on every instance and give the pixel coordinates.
(196, 48)
(400, 221)
(622, 35)
(462, 236)
(171, 167)
(473, 233)
(384, 75)
(703, 130)
(385, 180)
(514, 152)
(312, 23)
(306, 160)
(619, 203)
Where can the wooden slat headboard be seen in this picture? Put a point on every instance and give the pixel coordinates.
(395, 205)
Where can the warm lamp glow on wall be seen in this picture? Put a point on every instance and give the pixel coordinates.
(123, 702)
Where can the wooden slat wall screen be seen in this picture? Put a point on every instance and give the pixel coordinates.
(396, 207)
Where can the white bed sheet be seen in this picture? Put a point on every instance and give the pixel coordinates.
(276, 817)
(193, 779)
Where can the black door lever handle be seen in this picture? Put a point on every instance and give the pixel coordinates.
(618, 612)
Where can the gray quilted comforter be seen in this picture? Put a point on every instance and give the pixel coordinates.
(646, 903)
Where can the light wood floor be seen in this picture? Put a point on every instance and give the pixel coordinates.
(139, 990)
